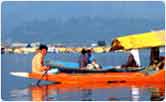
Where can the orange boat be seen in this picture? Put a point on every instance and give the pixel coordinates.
(132, 77)
(148, 40)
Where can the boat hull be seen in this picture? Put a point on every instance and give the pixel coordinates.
(119, 77)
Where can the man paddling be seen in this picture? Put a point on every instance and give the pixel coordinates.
(38, 60)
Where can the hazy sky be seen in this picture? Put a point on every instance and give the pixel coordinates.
(21, 11)
(15, 13)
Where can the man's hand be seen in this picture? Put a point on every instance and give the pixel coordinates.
(49, 67)
(46, 68)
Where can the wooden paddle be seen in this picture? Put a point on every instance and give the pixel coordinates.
(45, 73)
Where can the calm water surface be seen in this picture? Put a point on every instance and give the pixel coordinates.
(18, 89)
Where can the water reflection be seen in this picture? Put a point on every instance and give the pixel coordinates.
(157, 94)
(90, 92)
(20, 94)
(86, 95)
(39, 93)
(105, 92)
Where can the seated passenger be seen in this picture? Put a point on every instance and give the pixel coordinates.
(93, 66)
(83, 60)
(161, 63)
(90, 56)
(130, 63)
(153, 66)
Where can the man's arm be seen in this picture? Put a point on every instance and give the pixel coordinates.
(41, 64)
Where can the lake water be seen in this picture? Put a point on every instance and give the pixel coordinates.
(19, 89)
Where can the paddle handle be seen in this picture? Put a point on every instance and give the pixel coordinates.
(45, 73)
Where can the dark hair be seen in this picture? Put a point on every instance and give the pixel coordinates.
(83, 51)
(89, 51)
(43, 47)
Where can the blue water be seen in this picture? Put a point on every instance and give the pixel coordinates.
(15, 88)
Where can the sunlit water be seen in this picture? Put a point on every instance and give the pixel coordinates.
(17, 89)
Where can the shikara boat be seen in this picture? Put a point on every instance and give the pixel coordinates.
(135, 77)
(146, 40)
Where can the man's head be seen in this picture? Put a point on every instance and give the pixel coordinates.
(43, 49)
(89, 51)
